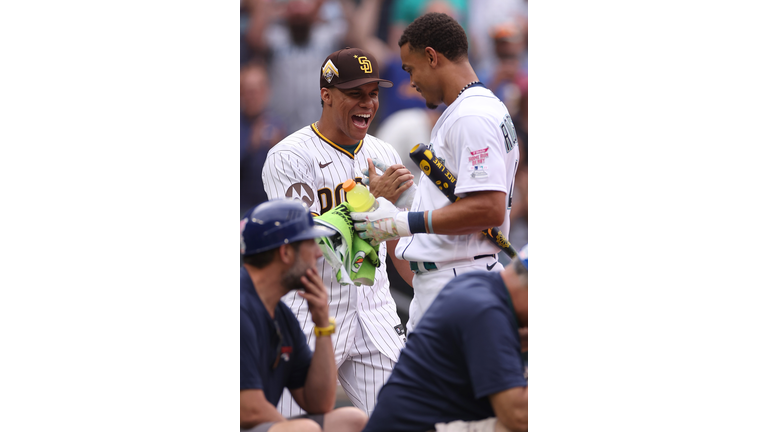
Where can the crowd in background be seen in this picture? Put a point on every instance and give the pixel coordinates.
(284, 42)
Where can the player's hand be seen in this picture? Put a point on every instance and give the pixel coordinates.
(385, 223)
(394, 180)
(316, 296)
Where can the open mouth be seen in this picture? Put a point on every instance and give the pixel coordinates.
(361, 120)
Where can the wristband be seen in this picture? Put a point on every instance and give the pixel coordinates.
(326, 331)
(429, 221)
(416, 222)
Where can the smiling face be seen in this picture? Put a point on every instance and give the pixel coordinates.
(417, 66)
(351, 111)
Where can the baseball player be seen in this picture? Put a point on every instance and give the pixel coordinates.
(310, 165)
(474, 138)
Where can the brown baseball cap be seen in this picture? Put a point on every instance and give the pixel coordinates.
(349, 68)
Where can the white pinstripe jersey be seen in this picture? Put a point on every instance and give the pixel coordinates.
(309, 167)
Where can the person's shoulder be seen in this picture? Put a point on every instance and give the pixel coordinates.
(297, 138)
(247, 291)
(297, 143)
(482, 103)
(370, 139)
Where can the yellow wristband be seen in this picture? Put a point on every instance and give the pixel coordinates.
(326, 331)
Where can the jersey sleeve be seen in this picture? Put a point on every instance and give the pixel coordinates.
(288, 173)
(249, 355)
(302, 355)
(481, 155)
(492, 352)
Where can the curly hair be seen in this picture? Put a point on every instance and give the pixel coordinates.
(439, 31)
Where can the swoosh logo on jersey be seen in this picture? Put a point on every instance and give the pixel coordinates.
(325, 165)
(489, 267)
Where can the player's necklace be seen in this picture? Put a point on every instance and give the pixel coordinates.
(472, 84)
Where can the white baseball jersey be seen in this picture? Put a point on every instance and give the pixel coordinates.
(475, 140)
(309, 167)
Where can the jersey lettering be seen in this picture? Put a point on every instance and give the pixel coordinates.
(339, 194)
(325, 196)
(329, 200)
(510, 136)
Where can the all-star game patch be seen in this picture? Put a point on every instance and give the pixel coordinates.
(329, 70)
(476, 161)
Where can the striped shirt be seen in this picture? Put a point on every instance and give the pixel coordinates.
(309, 167)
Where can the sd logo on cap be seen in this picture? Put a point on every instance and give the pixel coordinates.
(349, 68)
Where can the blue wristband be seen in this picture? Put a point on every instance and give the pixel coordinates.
(416, 222)
(429, 221)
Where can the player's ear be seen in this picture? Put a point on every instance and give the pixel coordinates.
(325, 95)
(286, 254)
(431, 56)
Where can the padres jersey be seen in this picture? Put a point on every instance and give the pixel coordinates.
(475, 140)
(308, 167)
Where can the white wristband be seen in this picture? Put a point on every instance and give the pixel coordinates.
(401, 224)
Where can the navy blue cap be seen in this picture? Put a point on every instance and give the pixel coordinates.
(277, 222)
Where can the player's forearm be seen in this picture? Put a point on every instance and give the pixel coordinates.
(249, 419)
(471, 214)
(320, 386)
(255, 409)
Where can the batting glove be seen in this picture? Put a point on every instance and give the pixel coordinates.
(378, 164)
(383, 224)
(406, 198)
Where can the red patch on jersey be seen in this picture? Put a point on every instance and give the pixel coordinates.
(285, 353)
(477, 157)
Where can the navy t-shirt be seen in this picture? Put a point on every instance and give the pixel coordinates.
(465, 348)
(260, 345)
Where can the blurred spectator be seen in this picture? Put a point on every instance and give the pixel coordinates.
(507, 80)
(388, 55)
(259, 131)
(520, 120)
(294, 36)
(518, 230)
(485, 15)
(403, 12)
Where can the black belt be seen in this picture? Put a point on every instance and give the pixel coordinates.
(433, 266)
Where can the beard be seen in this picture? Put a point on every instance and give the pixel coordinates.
(291, 280)
(431, 106)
